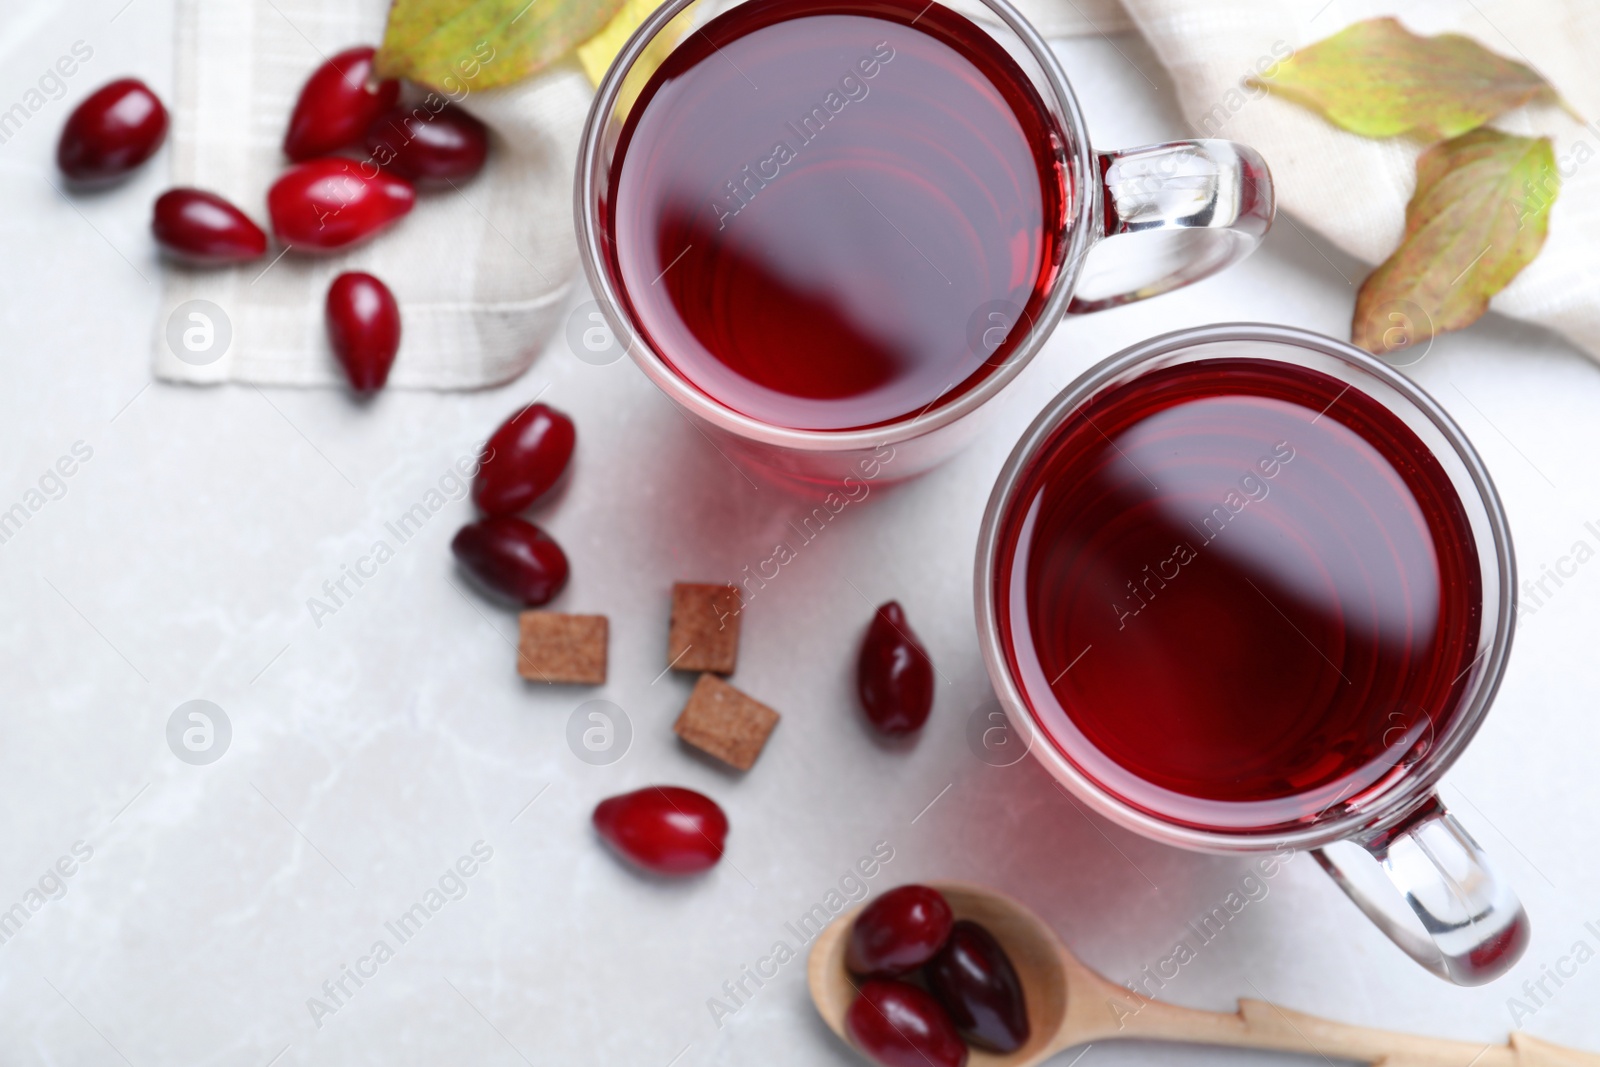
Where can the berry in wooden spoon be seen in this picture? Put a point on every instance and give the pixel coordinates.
(973, 978)
(899, 932)
(900, 1025)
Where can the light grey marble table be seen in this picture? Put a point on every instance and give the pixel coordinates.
(209, 905)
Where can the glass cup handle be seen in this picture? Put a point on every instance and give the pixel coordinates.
(1212, 200)
(1474, 927)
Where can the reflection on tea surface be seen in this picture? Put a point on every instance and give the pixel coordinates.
(811, 207)
(1241, 592)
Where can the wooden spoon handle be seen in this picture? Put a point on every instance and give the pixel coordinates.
(1258, 1024)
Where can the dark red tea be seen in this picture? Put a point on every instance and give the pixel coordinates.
(831, 215)
(1238, 593)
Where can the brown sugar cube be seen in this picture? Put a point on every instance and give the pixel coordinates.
(704, 635)
(723, 722)
(554, 647)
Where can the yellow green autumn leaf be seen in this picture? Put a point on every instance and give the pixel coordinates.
(598, 51)
(1378, 79)
(484, 43)
(1480, 214)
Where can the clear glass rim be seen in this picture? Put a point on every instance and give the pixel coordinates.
(1081, 234)
(1416, 787)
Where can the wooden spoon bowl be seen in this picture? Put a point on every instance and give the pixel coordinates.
(1069, 1004)
(1035, 951)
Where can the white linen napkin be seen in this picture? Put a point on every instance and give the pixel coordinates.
(481, 273)
(1353, 191)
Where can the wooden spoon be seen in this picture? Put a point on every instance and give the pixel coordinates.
(1069, 1005)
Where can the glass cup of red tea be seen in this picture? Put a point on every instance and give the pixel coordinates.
(832, 230)
(1245, 588)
